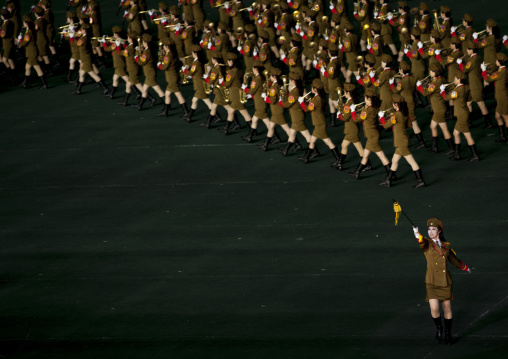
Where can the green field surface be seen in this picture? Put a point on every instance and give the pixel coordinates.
(128, 235)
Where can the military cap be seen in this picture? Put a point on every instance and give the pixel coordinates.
(317, 83)
(117, 29)
(216, 54)
(38, 10)
(424, 6)
(45, 2)
(168, 41)
(231, 56)
(435, 67)
(296, 37)
(456, 41)
(386, 58)
(445, 9)
(323, 43)
(71, 14)
(313, 45)
(332, 46)
(468, 18)
(370, 93)
(397, 98)
(93, 4)
(294, 76)
(85, 25)
(132, 34)
(310, 13)
(501, 57)
(376, 26)
(283, 5)
(174, 10)
(263, 34)
(264, 2)
(491, 23)
(404, 65)
(434, 222)
(27, 18)
(415, 31)
(207, 23)
(196, 48)
(435, 34)
(470, 44)
(371, 59)
(249, 28)
(6, 14)
(460, 75)
(336, 17)
(147, 37)
(348, 26)
(402, 4)
(163, 6)
(257, 63)
(222, 26)
(275, 71)
(349, 87)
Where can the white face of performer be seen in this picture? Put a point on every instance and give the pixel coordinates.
(434, 233)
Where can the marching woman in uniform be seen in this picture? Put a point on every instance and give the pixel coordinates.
(29, 42)
(116, 47)
(216, 74)
(350, 127)
(233, 83)
(277, 118)
(399, 122)
(370, 121)
(317, 107)
(196, 72)
(438, 279)
(7, 35)
(255, 90)
(167, 63)
(144, 59)
(501, 94)
(296, 113)
(438, 107)
(460, 95)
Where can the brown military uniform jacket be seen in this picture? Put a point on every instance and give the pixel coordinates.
(398, 123)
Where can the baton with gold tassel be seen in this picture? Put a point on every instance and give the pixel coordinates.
(398, 210)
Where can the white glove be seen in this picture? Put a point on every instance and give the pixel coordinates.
(184, 68)
(375, 14)
(300, 99)
(150, 12)
(20, 37)
(226, 5)
(297, 27)
(71, 34)
(249, 9)
(118, 43)
(381, 114)
(391, 81)
(416, 232)
(177, 27)
(469, 270)
(205, 76)
(276, 24)
(357, 78)
(255, 53)
(372, 74)
(302, 33)
(389, 16)
(249, 97)
(282, 57)
(475, 35)
(158, 64)
(453, 28)
(483, 66)
(314, 63)
(260, 21)
(263, 95)
(369, 47)
(353, 107)
(221, 81)
(126, 12)
(459, 61)
(326, 38)
(420, 44)
(209, 45)
(442, 88)
(331, 6)
(418, 83)
(341, 46)
(102, 40)
(437, 52)
(355, 13)
(71, 27)
(83, 9)
(239, 48)
(244, 86)
(505, 37)
(323, 71)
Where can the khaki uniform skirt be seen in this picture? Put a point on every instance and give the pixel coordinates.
(440, 293)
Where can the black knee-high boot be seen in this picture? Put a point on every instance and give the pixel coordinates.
(388, 180)
(185, 110)
(358, 170)
(448, 338)
(252, 133)
(298, 145)
(276, 138)
(286, 148)
(264, 146)
(44, 83)
(502, 135)
(332, 123)
(305, 158)
(474, 152)
(24, 84)
(337, 156)
(125, 101)
(451, 146)
(189, 115)
(79, 86)
(488, 124)
(138, 93)
(236, 123)
(342, 159)
(105, 89)
(225, 129)
(439, 327)
(69, 76)
(315, 153)
(456, 153)
(165, 110)
(139, 106)
(434, 148)
(208, 121)
(112, 93)
(421, 141)
(420, 183)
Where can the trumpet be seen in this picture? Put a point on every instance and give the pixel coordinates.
(223, 4)
(159, 19)
(284, 90)
(459, 29)
(360, 107)
(426, 81)
(446, 52)
(65, 26)
(254, 5)
(449, 87)
(305, 97)
(145, 11)
(243, 95)
(482, 35)
(389, 112)
(265, 84)
(385, 16)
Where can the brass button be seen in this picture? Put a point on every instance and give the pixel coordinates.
(444, 270)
